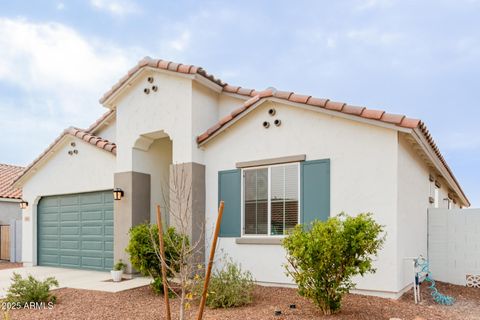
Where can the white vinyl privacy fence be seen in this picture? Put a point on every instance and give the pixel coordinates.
(454, 245)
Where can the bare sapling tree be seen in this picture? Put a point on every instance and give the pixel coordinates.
(184, 273)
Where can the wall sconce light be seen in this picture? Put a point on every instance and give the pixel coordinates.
(117, 194)
(23, 204)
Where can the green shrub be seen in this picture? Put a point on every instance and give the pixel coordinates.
(120, 265)
(143, 250)
(228, 287)
(23, 291)
(323, 258)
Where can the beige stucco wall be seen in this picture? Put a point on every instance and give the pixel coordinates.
(227, 103)
(90, 170)
(167, 110)
(363, 177)
(204, 115)
(413, 194)
(9, 209)
(109, 131)
(156, 162)
(414, 190)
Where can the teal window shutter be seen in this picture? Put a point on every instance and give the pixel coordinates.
(315, 190)
(229, 190)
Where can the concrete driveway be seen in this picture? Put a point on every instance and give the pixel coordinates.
(72, 278)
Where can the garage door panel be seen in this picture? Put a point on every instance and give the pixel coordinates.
(92, 216)
(76, 231)
(70, 200)
(92, 231)
(109, 246)
(49, 259)
(70, 216)
(69, 231)
(92, 261)
(92, 245)
(49, 202)
(70, 244)
(47, 230)
(49, 210)
(69, 260)
(108, 214)
(108, 231)
(46, 217)
(108, 261)
(50, 244)
(91, 198)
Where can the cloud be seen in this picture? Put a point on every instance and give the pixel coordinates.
(55, 77)
(371, 4)
(181, 42)
(115, 7)
(53, 59)
(376, 37)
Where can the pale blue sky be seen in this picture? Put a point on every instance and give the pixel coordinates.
(420, 58)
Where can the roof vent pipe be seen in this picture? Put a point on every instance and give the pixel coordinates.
(273, 89)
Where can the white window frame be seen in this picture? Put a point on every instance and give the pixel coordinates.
(269, 199)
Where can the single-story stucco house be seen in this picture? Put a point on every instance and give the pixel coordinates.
(10, 197)
(276, 158)
(10, 211)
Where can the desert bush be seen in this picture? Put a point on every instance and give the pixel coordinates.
(23, 291)
(143, 251)
(324, 256)
(228, 287)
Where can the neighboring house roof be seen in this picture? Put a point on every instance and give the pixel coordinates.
(76, 132)
(8, 174)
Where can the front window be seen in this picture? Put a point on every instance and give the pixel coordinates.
(270, 199)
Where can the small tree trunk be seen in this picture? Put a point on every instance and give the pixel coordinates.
(182, 306)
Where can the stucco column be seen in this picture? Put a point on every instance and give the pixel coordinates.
(132, 209)
(187, 203)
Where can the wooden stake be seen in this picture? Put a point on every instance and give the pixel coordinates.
(164, 263)
(210, 261)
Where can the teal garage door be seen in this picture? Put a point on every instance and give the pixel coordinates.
(76, 231)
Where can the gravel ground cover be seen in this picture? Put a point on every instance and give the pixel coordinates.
(9, 265)
(141, 303)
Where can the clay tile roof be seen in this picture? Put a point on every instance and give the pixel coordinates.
(283, 94)
(244, 91)
(392, 118)
(8, 174)
(333, 105)
(353, 110)
(79, 133)
(100, 120)
(299, 98)
(253, 97)
(379, 115)
(93, 140)
(164, 65)
(372, 114)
